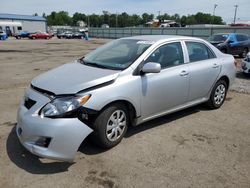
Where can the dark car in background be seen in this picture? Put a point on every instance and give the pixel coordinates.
(22, 34)
(71, 35)
(40, 35)
(78, 35)
(66, 34)
(231, 43)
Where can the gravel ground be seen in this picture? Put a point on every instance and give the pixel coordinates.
(192, 148)
(242, 82)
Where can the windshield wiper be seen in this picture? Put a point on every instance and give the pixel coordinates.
(96, 65)
(81, 60)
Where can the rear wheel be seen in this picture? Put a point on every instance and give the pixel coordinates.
(111, 125)
(218, 95)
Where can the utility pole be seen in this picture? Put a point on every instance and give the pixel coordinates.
(235, 12)
(116, 21)
(88, 21)
(215, 5)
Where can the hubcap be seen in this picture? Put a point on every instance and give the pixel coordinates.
(116, 125)
(219, 94)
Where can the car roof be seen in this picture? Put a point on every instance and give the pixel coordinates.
(160, 37)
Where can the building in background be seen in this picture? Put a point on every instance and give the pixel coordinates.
(14, 23)
(242, 23)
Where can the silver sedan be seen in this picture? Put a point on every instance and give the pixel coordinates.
(125, 82)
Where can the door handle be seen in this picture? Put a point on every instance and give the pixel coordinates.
(183, 73)
(215, 65)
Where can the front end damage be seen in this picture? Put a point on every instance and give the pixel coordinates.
(55, 138)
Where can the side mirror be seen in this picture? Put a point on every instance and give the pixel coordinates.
(151, 67)
(230, 41)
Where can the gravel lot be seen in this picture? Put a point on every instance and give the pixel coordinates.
(192, 148)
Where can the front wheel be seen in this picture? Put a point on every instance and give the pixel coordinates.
(111, 125)
(218, 95)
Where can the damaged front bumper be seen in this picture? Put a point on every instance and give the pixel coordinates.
(51, 138)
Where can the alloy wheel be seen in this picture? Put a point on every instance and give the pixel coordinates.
(220, 93)
(116, 125)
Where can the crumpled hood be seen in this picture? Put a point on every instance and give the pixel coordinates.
(72, 78)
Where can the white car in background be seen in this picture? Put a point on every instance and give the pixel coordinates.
(245, 65)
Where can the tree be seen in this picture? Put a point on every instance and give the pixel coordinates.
(147, 17)
(59, 18)
(126, 20)
(78, 17)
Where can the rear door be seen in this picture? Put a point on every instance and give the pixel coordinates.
(243, 41)
(204, 69)
(233, 46)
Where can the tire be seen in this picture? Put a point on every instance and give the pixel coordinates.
(218, 95)
(244, 53)
(108, 118)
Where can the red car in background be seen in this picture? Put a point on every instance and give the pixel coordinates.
(40, 35)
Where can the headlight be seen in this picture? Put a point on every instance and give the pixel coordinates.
(63, 105)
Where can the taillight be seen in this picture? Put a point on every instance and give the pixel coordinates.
(235, 63)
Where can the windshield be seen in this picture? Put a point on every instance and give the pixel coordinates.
(118, 54)
(218, 38)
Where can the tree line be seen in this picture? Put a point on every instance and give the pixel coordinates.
(127, 20)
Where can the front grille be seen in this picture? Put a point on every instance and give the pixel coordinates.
(28, 103)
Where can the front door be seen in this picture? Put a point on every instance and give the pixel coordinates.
(168, 89)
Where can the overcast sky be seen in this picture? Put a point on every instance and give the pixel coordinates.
(225, 8)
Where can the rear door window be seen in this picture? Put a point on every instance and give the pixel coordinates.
(241, 38)
(198, 51)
